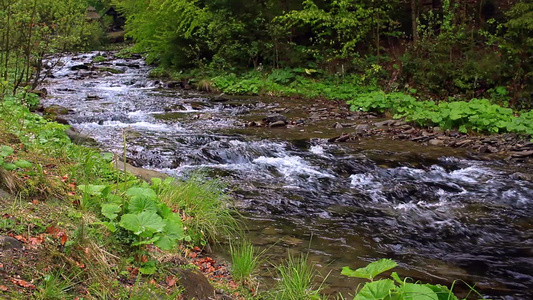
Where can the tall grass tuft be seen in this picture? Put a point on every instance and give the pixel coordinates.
(245, 260)
(296, 280)
(54, 286)
(204, 207)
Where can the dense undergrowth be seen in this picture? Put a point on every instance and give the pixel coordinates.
(361, 93)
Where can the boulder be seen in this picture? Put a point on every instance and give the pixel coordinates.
(463, 143)
(195, 285)
(42, 93)
(9, 243)
(5, 195)
(80, 139)
(92, 97)
(385, 123)
(141, 173)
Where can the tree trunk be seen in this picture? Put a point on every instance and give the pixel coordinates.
(414, 21)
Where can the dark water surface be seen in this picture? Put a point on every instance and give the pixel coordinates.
(440, 215)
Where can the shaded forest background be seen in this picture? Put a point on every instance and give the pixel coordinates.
(474, 48)
(443, 49)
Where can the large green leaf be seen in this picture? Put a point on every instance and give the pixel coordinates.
(442, 292)
(375, 290)
(141, 192)
(372, 270)
(9, 166)
(23, 163)
(92, 189)
(110, 210)
(6, 151)
(146, 242)
(144, 224)
(172, 233)
(413, 291)
(141, 204)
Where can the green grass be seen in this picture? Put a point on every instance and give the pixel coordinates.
(296, 280)
(204, 207)
(48, 195)
(245, 260)
(55, 286)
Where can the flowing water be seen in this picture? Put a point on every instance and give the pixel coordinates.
(439, 214)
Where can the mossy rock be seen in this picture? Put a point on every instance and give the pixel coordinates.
(111, 70)
(55, 110)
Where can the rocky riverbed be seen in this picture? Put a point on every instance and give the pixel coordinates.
(311, 176)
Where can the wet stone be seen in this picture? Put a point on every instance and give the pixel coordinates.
(522, 154)
(275, 118)
(80, 67)
(277, 124)
(463, 143)
(362, 128)
(436, 142)
(221, 98)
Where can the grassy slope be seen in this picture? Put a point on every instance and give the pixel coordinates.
(67, 252)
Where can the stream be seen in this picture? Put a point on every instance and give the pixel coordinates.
(440, 214)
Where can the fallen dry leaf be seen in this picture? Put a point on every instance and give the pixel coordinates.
(19, 237)
(52, 230)
(64, 239)
(171, 281)
(3, 288)
(22, 283)
(38, 240)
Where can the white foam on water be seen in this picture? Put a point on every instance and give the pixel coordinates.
(365, 181)
(369, 185)
(470, 174)
(136, 125)
(290, 166)
(317, 149)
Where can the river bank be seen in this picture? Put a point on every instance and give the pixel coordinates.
(376, 120)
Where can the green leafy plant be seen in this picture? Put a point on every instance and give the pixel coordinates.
(394, 288)
(475, 115)
(6, 151)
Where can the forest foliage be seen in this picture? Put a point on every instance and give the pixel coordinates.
(446, 48)
(32, 30)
